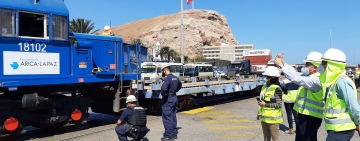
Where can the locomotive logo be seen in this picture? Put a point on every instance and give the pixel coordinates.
(14, 65)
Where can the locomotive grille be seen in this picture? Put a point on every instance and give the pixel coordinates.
(6, 22)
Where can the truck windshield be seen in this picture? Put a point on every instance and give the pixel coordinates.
(148, 69)
(235, 65)
(189, 70)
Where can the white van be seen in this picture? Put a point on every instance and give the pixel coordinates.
(151, 71)
(200, 71)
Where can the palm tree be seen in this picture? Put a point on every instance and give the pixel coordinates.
(164, 51)
(81, 25)
(198, 58)
(135, 41)
(186, 59)
(172, 54)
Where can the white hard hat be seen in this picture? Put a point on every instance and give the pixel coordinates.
(272, 71)
(333, 54)
(107, 27)
(130, 98)
(313, 57)
(164, 66)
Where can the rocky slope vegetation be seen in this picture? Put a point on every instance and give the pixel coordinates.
(201, 28)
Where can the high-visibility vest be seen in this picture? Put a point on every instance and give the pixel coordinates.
(336, 115)
(357, 73)
(266, 114)
(310, 103)
(290, 97)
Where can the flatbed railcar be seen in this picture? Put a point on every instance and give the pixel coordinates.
(195, 91)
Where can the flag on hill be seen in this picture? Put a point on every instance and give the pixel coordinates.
(188, 2)
(155, 37)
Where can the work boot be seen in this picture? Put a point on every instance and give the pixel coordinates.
(290, 131)
(168, 139)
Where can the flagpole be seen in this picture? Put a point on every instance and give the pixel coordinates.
(182, 33)
(193, 4)
(330, 38)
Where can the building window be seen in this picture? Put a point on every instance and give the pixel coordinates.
(6, 22)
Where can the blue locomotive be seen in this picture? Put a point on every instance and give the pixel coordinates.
(41, 58)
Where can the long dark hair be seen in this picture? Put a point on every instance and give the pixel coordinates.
(274, 81)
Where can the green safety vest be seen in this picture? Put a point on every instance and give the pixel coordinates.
(310, 103)
(336, 115)
(357, 73)
(290, 97)
(266, 114)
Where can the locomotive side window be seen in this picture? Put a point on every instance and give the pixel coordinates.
(33, 25)
(6, 22)
(59, 27)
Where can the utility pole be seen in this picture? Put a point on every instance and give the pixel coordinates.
(182, 33)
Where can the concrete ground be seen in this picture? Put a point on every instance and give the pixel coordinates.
(235, 120)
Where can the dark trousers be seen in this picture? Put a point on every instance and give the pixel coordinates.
(289, 108)
(307, 128)
(123, 132)
(340, 136)
(169, 110)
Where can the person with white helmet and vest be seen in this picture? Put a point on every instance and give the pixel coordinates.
(342, 111)
(270, 103)
(107, 31)
(132, 122)
(169, 88)
(309, 102)
(357, 75)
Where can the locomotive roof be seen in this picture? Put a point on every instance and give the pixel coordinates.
(98, 37)
(41, 6)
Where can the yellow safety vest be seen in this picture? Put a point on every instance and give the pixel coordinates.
(357, 73)
(310, 103)
(290, 97)
(336, 115)
(266, 114)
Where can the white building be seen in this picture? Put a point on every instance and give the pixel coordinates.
(226, 52)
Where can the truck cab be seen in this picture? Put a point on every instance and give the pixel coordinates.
(238, 68)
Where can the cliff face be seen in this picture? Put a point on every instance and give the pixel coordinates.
(201, 28)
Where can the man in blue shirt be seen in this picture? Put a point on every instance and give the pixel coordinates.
(171, 85)
(132, 122)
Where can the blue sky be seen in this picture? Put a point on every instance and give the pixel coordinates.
(291, 27)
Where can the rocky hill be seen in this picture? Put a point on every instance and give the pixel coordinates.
(201, 28)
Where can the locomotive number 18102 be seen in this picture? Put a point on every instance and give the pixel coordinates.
(34, 47)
